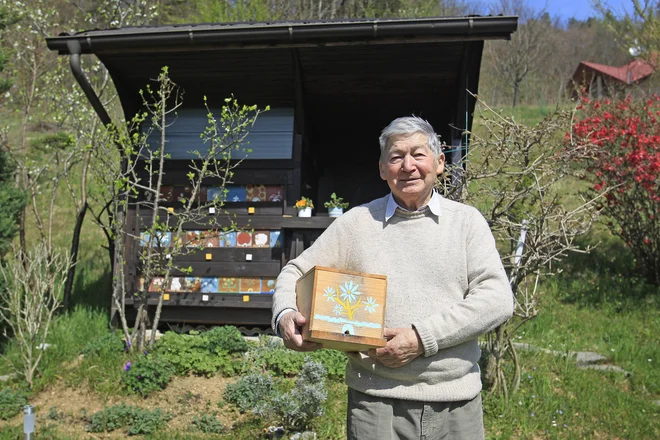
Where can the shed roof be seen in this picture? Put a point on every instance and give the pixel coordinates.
(629, 73)
(350, 72)
(288, 33)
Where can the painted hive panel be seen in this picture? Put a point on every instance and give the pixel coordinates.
(345, 310)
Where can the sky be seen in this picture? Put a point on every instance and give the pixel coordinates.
(578, 9)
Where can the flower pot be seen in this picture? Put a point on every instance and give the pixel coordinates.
(305, 212)
(335, 212)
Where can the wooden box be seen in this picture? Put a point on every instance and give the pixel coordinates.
(344, 310)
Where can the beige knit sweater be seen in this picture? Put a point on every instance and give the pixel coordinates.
(444, 278)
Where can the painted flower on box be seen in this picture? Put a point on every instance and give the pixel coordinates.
(250, 285)
(228, 285)
(349, 291)
(370, 305)
(348, 302)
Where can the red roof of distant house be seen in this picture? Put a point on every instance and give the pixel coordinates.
(631, 72)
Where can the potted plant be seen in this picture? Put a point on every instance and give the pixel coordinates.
(335, 205)
(304, 207)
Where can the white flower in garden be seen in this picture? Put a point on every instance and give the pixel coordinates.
(370, 305)
(349, 291)
(329, 293)
(338, 310)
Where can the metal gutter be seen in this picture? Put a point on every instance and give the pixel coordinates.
(279, 33)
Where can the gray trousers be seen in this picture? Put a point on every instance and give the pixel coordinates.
(376, 418)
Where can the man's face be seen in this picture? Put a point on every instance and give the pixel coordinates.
(410, 169)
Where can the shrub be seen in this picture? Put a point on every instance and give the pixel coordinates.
(195, 354)
(249, 390)
(208, 424)
(147, 374)
(296, 409)
(618, 142)
(225, 338)
(11, 403)
(138, 420)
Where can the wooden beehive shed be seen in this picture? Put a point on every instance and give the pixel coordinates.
(344, 310)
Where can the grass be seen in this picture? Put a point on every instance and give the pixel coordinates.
(598, 305)
(527, 114)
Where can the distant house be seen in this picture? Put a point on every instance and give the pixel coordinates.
(601, 80)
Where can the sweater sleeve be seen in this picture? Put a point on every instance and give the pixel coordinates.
(487, 304)
(326, 251)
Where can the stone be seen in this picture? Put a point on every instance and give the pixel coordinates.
(588, 357)
(612, 368)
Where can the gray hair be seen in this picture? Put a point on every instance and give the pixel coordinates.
(410, 125)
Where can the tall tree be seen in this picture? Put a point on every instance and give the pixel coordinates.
(12, 200)
(516, 59)
(639, 29)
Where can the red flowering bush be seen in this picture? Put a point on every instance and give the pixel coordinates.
(618, 141)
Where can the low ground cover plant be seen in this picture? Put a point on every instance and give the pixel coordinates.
(208, 424)
(137, 420)
(11, 403)
(204, 354)
(147, 374)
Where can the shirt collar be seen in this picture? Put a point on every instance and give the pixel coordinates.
(434, 206)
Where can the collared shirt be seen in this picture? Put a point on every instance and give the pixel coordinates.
(434, 206)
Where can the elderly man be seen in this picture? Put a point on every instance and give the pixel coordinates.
(445, 287)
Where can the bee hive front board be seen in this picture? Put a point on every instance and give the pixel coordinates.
(344, 310)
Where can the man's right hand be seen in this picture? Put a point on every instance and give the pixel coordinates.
(291, 332)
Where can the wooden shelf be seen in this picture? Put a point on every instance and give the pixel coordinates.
(314, 222)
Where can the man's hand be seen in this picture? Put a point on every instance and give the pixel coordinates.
(290, 330)
(403, 346)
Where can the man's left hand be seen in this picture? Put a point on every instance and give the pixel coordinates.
(403, 346)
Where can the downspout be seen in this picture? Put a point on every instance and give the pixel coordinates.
(74, 61)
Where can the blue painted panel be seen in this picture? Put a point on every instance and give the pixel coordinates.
(271, 137)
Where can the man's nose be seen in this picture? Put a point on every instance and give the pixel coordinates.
(408, 163)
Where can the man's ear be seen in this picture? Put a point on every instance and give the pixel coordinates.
(441, 164)
(381, 169)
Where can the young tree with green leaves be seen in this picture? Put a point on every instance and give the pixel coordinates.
(135, 184)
